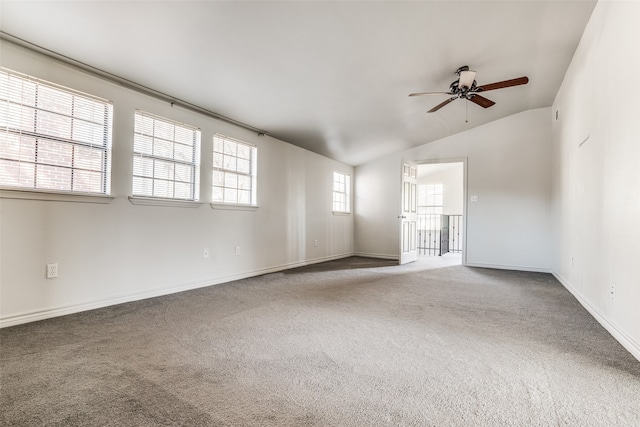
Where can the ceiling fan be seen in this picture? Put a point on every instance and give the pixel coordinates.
(467, 88)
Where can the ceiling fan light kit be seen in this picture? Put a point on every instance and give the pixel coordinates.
(467, 88)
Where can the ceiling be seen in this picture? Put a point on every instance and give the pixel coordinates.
(332, 77)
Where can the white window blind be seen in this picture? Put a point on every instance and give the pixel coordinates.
(234, 171)
(166, 159)
(53, 138)
(341, 192)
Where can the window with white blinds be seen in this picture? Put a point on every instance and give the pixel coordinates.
(166, 159)
(341, 192)
(53, 138)
(234, 172)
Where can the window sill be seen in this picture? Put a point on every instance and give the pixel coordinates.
(157, 201)
(54, 196)
(339, 213)
(233, 207)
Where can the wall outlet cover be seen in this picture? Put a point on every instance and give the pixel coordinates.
(52, 271)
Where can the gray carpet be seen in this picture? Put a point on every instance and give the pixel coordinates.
(354, 342)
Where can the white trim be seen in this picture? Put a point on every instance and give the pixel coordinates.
(34, 316)
(381, 256)
(625, 340)
(159, 201)
(341, 213)
(509, 267)
(232, 207)
(54, 196)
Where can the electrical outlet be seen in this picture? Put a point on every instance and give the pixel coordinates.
(205, 254)
(237, 250)
(52, 271)
(474, 198)
(315, 243)
(612, 293)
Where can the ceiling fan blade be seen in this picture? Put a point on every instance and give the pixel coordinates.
(442, 104)
(430, 93)
(481, 101)
(503, 84)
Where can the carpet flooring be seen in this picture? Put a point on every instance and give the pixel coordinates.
(352, 342)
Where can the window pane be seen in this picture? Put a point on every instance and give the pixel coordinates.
(231, 180)
(142, 186)
(217, 160)
(88, 132)
(163, 170)
(244, 166)
(182, 190)
(162, 188)
(230, 195)
(230, 163)
(218, 193)
(53, 177)
(143, 144)
(184, 135)
(163, 130)
(53, 125)
(244, 196)
(17, 174)
(244, 151)
(143, 167)
(87, 181)
(244, 182)
(218, 178)
(88, 158)
(183, 153)
(163, 149)
(55, 153)
(230, 148)
(54, 100)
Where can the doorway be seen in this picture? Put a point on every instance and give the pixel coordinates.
(441, 207)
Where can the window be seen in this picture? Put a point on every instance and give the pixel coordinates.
(53, 138)
(430, 199)
(341, 192)
(234, 172)
(166, 160)
(430, 203)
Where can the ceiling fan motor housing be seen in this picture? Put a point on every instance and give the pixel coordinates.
(462, 92)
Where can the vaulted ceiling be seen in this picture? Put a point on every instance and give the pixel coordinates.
(332, 77)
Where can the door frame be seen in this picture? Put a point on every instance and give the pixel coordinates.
(465, 213)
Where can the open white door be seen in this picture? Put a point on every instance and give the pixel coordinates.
(409, 213)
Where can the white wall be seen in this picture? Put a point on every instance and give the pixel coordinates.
(508, 168)
(596, 186)
(109, 253)
(452, 186)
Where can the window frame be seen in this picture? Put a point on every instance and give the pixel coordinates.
(75, 122)
(252, 175)
(146, 199)
(347, 193)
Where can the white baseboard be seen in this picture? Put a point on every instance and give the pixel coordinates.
(509, 267)
(372, 255)
(34, 316)
(627, 342)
